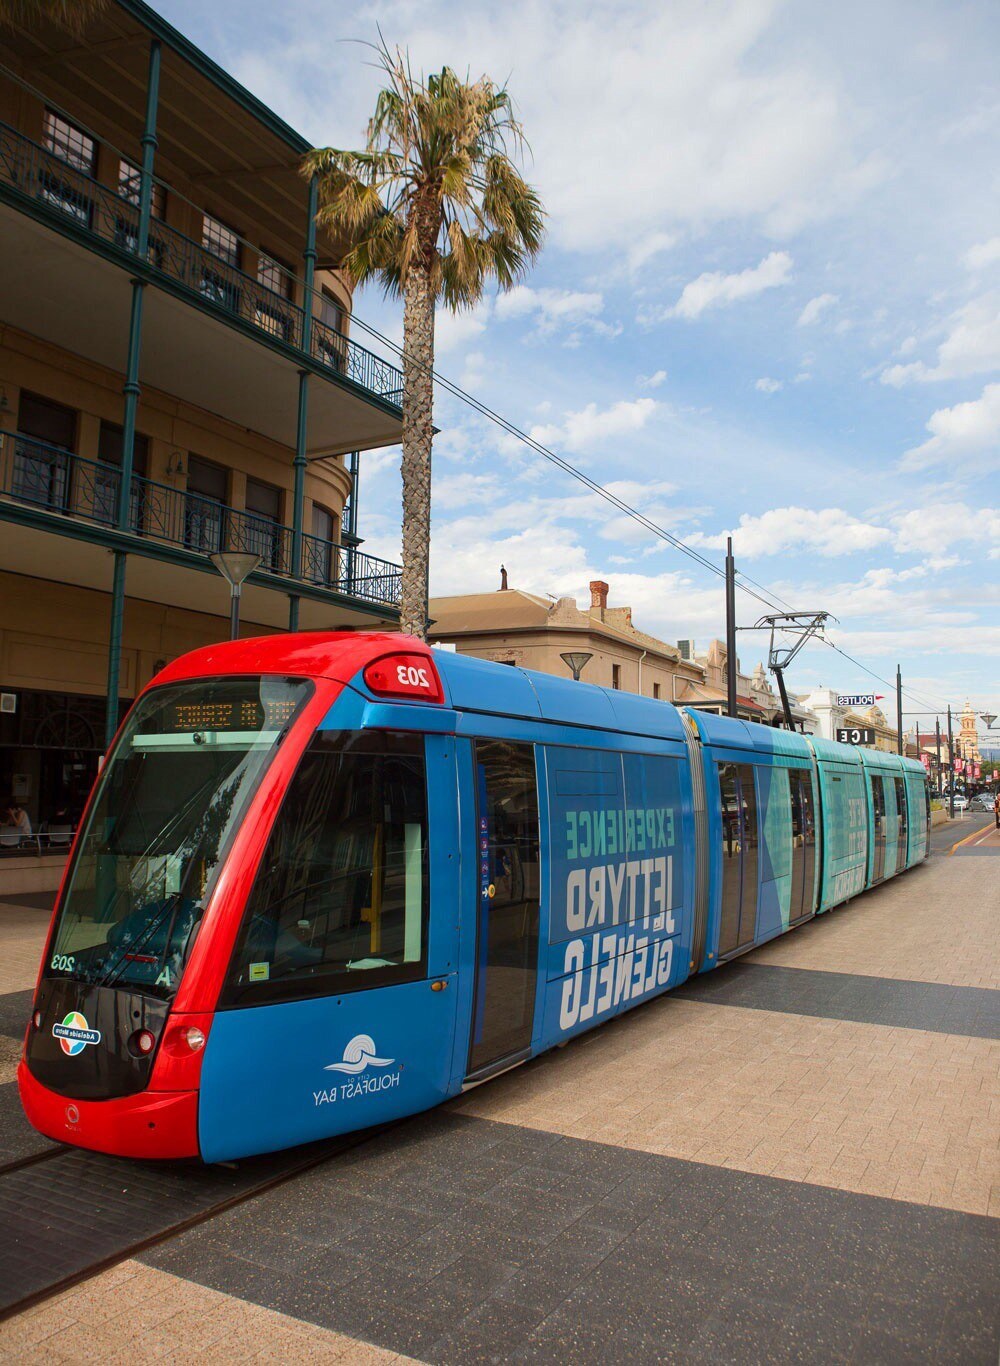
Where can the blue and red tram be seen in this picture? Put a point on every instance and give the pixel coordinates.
(327, 880)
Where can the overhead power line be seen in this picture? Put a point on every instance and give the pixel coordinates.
(758, 591)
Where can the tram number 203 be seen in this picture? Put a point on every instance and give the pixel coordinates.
(409, 676)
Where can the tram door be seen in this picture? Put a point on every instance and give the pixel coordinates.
(739, 857)
(901, 824)
(803, 844)
(507, 846)
(878, 822)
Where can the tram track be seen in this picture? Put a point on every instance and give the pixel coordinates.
(28, 1160)
(69, 1214)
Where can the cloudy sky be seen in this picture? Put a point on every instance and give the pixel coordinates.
(769, 304)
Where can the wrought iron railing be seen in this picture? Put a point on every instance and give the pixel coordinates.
(36, 474)
(69, 194)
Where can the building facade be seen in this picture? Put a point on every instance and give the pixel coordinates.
(514, 627)
(178, 377)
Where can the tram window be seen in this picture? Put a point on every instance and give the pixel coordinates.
(748, 897)
(340, 900)
(171, 797)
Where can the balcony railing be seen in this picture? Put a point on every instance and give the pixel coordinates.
(35, 474)
(101, 214)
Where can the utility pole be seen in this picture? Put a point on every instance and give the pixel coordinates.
(937, 750)
(899, 711)
(951, 771)
(730, 628)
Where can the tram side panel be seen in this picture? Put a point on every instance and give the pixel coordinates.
(845, 818)
(620, 881)
(763, 823)
(918, 801)
(886, 814)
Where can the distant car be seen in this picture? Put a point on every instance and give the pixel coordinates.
(984, 801)
(961, 801)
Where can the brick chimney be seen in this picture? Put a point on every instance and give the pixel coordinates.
(599, 596)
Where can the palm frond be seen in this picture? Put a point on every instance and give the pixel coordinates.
(436, 186)
(74, 15)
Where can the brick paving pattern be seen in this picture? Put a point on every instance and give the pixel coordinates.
(137, 1314)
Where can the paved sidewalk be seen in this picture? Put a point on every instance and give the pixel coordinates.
(794, 1158)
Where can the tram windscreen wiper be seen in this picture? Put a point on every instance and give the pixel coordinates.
(130, 951)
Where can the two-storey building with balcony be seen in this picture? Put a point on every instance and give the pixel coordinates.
(178, 377)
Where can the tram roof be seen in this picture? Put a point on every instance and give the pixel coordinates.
(480, 685)
(727, 732)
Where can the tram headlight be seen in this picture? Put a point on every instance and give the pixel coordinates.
(194, 1038)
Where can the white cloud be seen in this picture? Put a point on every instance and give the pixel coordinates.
(642, 252)
(473, 371)
(814, 308)
(935, 528)
(972, 347)
(967, 434)
(766, 385)
(452, 330)
(983, 254)
(652, 381)
(713, 289)
(827, 531)
(463, 488)
(550, 306)
(592, 425)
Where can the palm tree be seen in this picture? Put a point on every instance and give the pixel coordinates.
(74, 15)
(433, 208)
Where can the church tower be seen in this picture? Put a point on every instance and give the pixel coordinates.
(968, 737)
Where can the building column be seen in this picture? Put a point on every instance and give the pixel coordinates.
(349, 533)
(131, 390)
(302, 423)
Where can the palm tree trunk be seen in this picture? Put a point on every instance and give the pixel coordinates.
(418, 429)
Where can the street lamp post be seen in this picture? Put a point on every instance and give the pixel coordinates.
(235, 566)
(576, 661)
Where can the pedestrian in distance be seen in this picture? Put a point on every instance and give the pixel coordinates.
(18, 818)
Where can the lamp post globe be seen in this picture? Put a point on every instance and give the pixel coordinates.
(235, 566)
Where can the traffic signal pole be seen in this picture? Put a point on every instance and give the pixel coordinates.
(951, 771)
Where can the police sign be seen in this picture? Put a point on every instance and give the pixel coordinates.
(857, 699)
(856, 735)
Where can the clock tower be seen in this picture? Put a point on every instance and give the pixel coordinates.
(967, 743)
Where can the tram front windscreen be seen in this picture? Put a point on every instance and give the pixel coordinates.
(169, 800)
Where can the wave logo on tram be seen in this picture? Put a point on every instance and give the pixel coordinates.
(358, 1056)
(74, 1033)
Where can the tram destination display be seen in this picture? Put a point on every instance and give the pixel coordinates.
(856, 735)
(242, 708)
